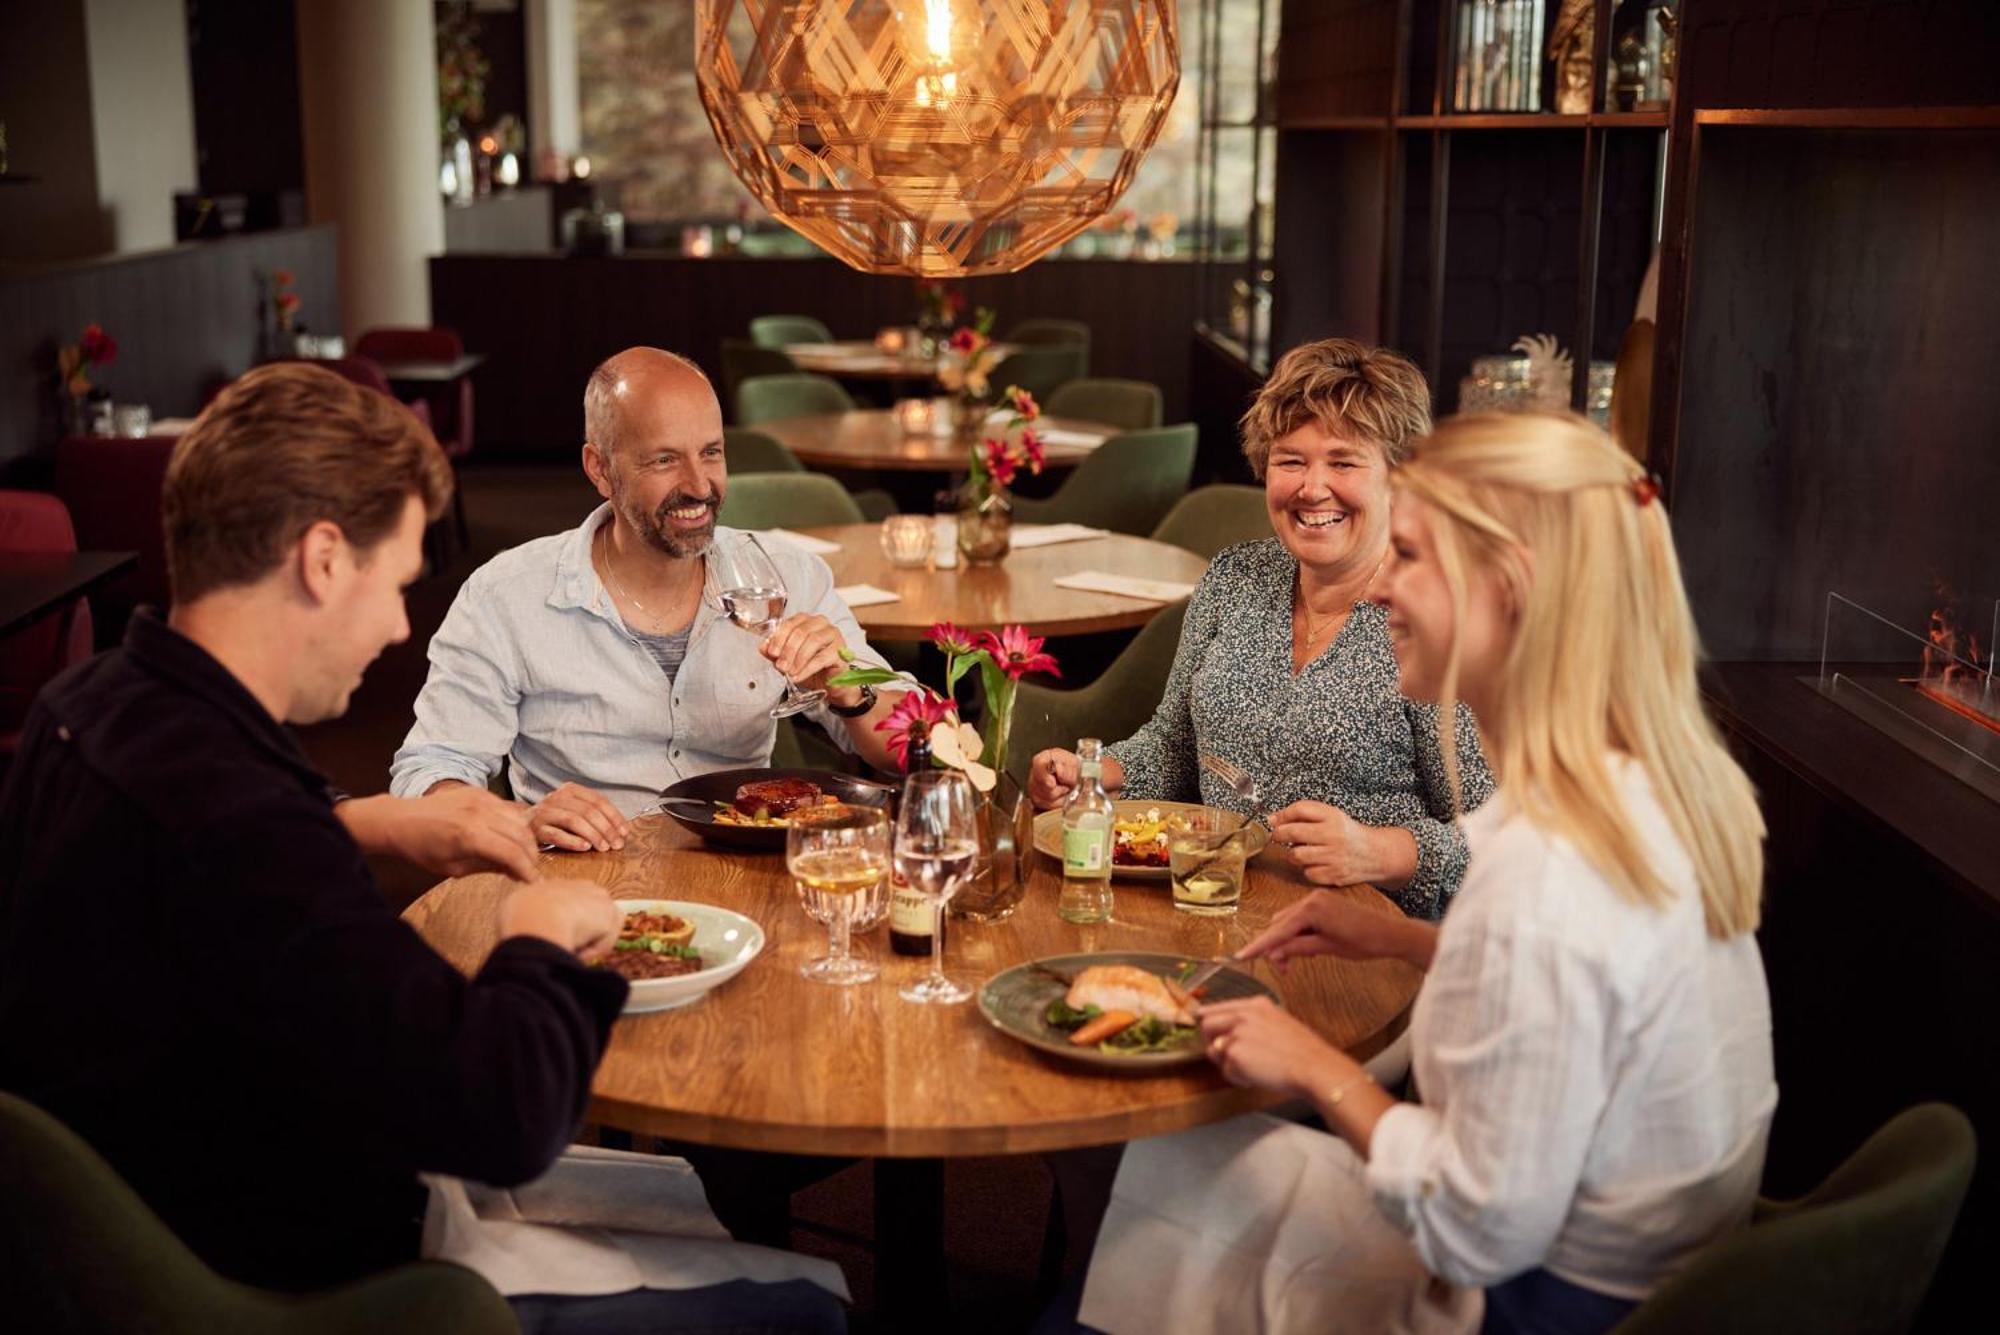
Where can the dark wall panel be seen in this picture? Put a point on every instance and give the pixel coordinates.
(545, 320)
(1840, 401)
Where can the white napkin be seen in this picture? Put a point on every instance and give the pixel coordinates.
(171, 426)
(1082, 440)
(817, 546)
(864, 595)
(1044, 535)
(1126, 586)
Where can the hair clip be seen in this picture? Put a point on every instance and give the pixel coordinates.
(1646, 489)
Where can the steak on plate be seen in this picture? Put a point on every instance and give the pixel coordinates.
(776, 797)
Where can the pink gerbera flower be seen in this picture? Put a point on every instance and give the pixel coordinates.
(915, 715)
(1024, 402)
(967, 341)
(953, 639)
(1000, 463)
(1032, 451)
(1018, 653)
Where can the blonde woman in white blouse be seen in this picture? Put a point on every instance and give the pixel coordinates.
(1591, 1044)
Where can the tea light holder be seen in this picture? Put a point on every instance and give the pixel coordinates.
(890, 340)
(917, 417)
(906, 540)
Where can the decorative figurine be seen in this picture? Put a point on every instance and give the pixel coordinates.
(1570, 43)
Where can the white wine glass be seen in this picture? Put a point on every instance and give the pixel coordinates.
(839, 857)
(752, 594)
(937, 840)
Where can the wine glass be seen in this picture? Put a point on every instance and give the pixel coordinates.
(937, 839)
(752, 595)
(839, 856)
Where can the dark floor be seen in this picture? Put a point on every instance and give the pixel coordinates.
(996, 1208)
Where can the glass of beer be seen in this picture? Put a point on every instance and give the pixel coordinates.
(1205, 856)
(839, 858)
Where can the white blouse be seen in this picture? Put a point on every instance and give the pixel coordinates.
(1595, 1073)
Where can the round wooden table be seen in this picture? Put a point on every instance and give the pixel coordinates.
(863, 359)
(1021, 590)
(770, 1061)
(873, 438)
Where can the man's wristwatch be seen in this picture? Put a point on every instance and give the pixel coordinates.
(858, 708)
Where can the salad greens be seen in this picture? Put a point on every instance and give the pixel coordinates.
(659, 946)
(1150, 1034)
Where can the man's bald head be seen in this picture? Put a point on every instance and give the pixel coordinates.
(634, 382)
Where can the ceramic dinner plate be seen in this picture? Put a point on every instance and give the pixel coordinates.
(1016, 1003)
(1048, 835)
(721, 786)
(727, 941)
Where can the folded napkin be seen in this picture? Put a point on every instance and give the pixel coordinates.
(864, 595)
(817, 546)
(1126, 586)
(1044, 535)
(171, 426)
(1082, 440)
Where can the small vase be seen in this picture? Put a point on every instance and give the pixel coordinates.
(986, 527)
(1000, 872)
(968, 417)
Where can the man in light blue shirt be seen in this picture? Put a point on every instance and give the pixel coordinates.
(595, 663)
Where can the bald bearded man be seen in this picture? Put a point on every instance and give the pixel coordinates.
(595, 664)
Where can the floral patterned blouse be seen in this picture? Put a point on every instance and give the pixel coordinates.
(1338, 732)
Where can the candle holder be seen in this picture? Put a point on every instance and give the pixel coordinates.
(917, 417)
(907, 540)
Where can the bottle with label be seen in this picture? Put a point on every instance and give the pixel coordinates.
(1086, 841)
(911, 916)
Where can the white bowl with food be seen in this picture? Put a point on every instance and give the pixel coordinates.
(674, 952)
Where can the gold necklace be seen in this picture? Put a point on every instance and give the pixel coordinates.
(1332, 617)
(618, 588)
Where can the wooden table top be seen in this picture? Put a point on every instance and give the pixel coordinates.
(433, 372)
(861, 359)
(769, 1061)
(35, 584)
(874, 438)
(1021, 590)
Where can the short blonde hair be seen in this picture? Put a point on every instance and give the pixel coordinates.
(1350, 389)
(1604, 651)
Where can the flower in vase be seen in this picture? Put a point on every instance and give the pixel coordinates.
(1032, 454)
(1023, 403)
(74, 361)
(953, 639)
(919, 710)
(957, 746)
(967, 342)
(1017, 653)
(999, 460)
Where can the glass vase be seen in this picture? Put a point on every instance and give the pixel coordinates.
(968, 416)
(1000, 873)
(986, 527)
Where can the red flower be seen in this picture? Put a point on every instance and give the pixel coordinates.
(288, 301)
(914, 715)
(1024, 402)
(98, 347)
(282, 277)
(1000, 463)
(1031, 451)
(967, 341)
(1018, 653)
(952, 639)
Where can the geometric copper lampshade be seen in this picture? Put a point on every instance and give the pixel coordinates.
(937, 137)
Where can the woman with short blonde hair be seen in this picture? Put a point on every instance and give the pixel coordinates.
(1591, 1045)
(1284, 666)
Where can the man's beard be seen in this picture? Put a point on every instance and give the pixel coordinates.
(658, 530)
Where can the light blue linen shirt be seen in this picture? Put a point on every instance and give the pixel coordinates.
(534, 668)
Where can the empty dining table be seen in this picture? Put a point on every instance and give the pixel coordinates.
(861, 359)
(896, 440)
(1021, 589)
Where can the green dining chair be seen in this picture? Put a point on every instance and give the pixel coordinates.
(1854, 1255)
(765, 398)
(775, 331)
(742, 359)
(1129, 405)
(1127, 484)
(1041, 332)
(82, 1254)
(786, 500)
(1208, 519)
(748, 450)
(1113, 707)
(1040, 370)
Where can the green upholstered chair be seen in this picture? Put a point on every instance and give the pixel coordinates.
(1129, 405)
(1854, 1255)
(742, 359)
(765, 398)
(1039, 333)
(748, 450)
(1127, 484)
(775, 331)
(82, 1254)
(1041, 370)
(786, 500)
(1113, 707)
(1208, 519)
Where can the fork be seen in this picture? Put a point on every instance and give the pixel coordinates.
(1239, 782)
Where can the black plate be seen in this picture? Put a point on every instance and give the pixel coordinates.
(721, 786)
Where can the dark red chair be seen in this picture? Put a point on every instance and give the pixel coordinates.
(112, 487)
(450, 404)
(34, 521)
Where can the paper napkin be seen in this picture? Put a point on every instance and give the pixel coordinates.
(1126, 586)
(1082, 440)
(817, 546)
(1043, 535)
(864, 595)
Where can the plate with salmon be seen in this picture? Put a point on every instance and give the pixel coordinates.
(750, 808)
(1118, 1010)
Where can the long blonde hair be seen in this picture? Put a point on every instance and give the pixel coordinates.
(1603, 655)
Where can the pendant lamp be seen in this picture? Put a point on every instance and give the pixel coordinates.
(937, 137)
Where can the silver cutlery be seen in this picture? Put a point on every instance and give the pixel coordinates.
(1207, 971)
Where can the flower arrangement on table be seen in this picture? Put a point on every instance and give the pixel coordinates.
(938, 307)
(963, 365)
(285, 303)
(74, 363)
(985, 520)
(1002, 660)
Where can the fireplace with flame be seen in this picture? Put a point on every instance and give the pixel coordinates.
(1936, 691)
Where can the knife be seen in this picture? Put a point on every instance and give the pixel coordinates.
(1207, 971)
